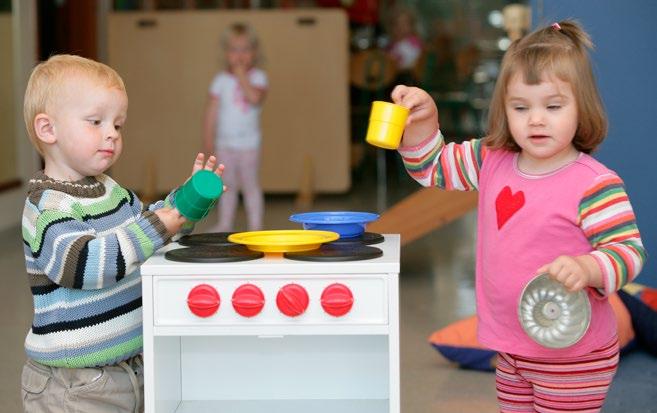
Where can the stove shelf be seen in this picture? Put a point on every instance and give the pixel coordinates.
(287, 406)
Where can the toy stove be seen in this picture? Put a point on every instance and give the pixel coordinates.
(296, 332)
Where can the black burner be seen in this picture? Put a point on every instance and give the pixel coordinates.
(209, 238)
(210, 254)
(366, 238)
(333, 252)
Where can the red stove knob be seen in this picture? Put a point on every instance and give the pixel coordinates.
(337, 299)
(292, 300)
(203, 300)
(248, 300)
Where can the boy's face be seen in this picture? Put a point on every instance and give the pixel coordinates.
(87, 119)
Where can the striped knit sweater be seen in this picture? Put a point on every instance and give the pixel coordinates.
(526, 221)
(84, 242)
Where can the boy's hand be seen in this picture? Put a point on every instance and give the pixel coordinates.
(569, 271)
(200, 163)
(423, 117)
(171, 219)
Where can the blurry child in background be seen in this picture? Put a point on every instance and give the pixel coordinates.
(232, 125)
(84, 238)
(405, 43)
(545, 206)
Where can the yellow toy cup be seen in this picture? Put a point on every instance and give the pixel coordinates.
(386, 126)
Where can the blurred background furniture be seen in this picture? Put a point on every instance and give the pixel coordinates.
(168, 58)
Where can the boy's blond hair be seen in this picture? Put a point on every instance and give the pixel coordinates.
(47, 79)
(560, 50)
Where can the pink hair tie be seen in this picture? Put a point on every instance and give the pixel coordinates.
(556, 26)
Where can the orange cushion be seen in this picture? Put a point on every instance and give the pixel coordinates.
(458, 343)
(623, 320)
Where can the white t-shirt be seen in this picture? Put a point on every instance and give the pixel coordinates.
(406, 52)
(238, 121)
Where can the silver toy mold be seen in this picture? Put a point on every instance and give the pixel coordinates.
(551, 315)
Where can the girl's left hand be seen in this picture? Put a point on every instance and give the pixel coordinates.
(200, 163)
(569, 271)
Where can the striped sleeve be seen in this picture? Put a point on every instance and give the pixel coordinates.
(73, 255)
(607, 219)
(170, 202)
(448, 166)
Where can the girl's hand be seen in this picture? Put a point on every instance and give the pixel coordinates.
(422, 120)
(240, 70)
(171, 219)
(569, 271)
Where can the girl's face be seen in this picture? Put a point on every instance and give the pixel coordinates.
(402, 26)
(542, 119)
(240, 52)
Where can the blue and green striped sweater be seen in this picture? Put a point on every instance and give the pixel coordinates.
(84, 242)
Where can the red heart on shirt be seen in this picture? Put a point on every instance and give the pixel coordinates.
(508, 204)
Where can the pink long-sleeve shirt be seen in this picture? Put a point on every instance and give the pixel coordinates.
(526, 221)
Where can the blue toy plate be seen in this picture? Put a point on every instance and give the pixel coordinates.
(346, 223)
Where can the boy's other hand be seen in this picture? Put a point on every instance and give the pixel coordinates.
(171, 218)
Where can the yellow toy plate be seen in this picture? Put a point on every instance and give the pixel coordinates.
(283, 240)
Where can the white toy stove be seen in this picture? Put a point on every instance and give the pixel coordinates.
(272, 335)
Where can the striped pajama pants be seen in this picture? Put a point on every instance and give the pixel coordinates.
(573, 384)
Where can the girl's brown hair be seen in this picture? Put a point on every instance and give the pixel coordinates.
(559, 50)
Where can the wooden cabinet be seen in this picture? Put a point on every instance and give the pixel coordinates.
(168, 60)
(8, 165)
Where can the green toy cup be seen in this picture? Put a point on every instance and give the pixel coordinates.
(199, 194)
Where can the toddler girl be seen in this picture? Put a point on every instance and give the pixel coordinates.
(545, 206)
(232, 125)
(406, 46)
